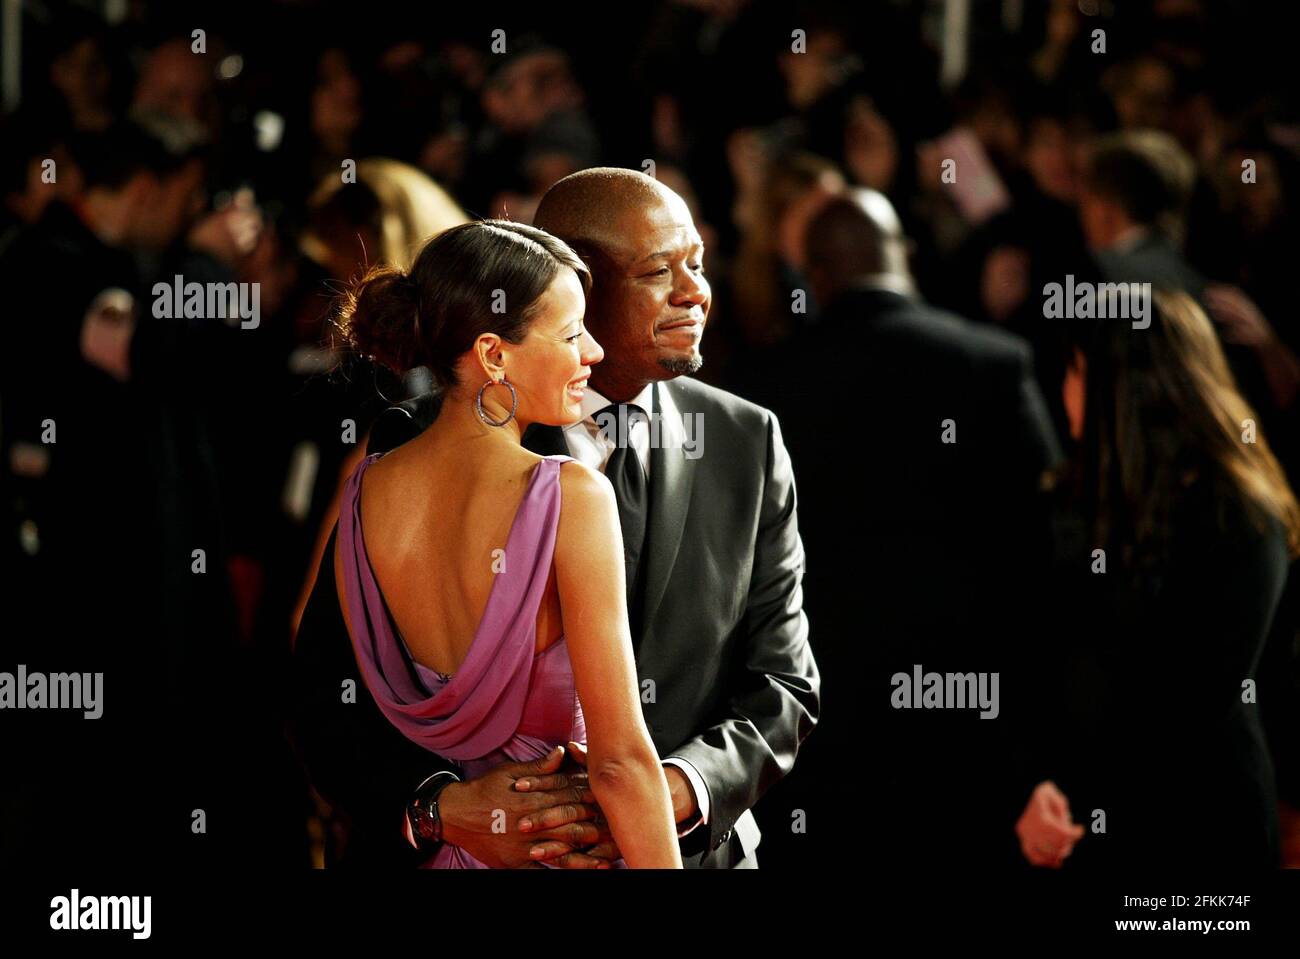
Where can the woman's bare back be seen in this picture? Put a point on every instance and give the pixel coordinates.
(435, 528)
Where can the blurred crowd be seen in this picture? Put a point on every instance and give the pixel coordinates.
(168, 482)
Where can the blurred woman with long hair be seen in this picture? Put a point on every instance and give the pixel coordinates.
(1183, 529)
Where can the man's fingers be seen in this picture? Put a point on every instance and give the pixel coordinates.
(604, 850)
(574, 833)
(578, 753)
(538, 767)
(554, 816)
(578, 860)
(542, 851)
(553, 782)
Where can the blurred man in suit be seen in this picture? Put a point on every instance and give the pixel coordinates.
(1136, 186)
(919, 440)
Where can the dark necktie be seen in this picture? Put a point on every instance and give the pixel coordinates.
(627, 476)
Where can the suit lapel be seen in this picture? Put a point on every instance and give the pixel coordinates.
(671, 478)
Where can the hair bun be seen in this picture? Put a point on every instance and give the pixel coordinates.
(380, 318)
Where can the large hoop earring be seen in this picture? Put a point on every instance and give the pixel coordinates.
(514, 402)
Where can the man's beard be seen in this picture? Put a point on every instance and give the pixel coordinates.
(683, 367)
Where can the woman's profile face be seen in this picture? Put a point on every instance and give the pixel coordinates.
(549, 369)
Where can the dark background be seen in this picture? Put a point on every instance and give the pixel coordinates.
(202, 451)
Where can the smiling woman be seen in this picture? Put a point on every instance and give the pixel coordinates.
(488, 625)
(432, 315)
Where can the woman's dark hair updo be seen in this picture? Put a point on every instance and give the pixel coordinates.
(434, 313)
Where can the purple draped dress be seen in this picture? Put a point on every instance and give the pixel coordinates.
(507, 702)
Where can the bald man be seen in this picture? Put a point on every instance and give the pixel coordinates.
(715, 564)
(932, 479)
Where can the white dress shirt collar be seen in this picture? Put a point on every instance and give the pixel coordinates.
(590, 444)
(593, 402)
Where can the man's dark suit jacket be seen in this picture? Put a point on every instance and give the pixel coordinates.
(723, 637)
(1155, 260)
(921, 552)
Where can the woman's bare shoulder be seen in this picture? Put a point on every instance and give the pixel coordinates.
(582, 484)
(588, 508)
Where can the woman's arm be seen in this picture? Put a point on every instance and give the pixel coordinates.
(623, 767)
